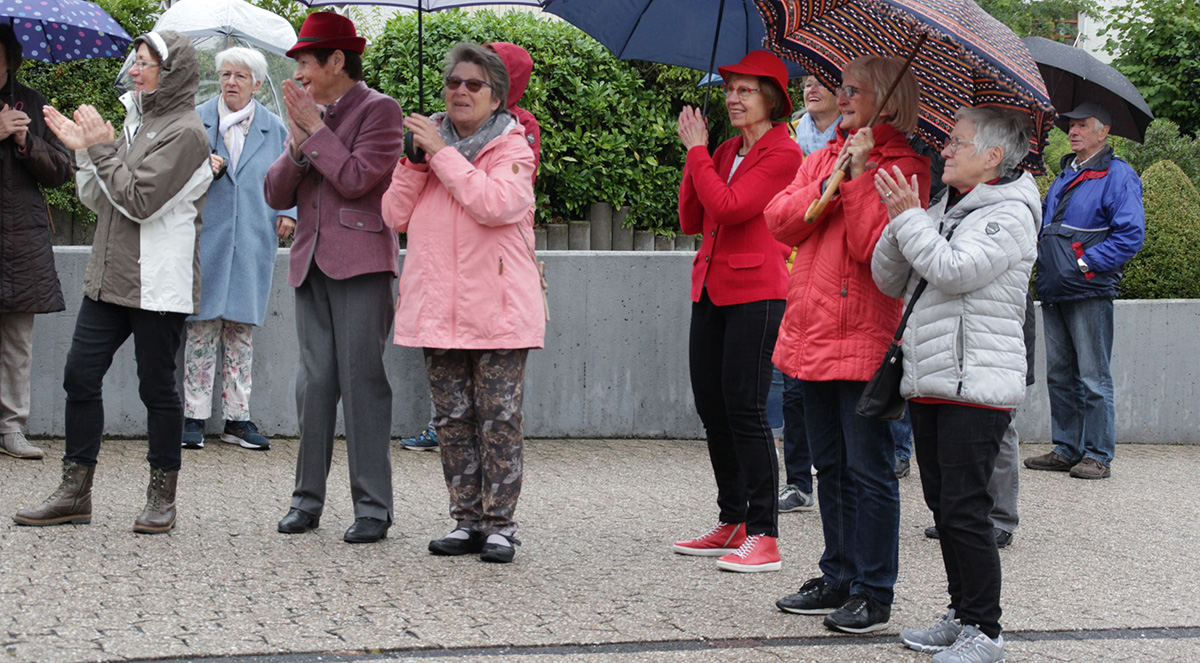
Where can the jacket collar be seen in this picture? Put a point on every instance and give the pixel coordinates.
(1101, 163)
(777, 133)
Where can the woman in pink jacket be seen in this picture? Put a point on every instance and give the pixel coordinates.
(470, 293)
(834, 334)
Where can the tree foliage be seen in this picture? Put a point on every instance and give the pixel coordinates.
(1053, 19)
(1157, 46)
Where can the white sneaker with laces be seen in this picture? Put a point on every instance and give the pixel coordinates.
(972, 646)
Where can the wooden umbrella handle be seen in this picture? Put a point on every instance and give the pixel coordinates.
(818, 206)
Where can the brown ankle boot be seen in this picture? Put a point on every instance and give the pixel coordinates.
(159, 514)
(70, 503)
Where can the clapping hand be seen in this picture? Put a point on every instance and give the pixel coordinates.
(692, 129)
(13, 123)
(898, 193)
(86, 130)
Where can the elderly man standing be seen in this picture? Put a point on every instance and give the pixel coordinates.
(1093, 223)
(344, 141)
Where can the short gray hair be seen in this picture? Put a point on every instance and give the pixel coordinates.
(250, 59)
(493, 67)
(999, 127)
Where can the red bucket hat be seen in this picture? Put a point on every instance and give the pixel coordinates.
(327, 30)
(765, 65)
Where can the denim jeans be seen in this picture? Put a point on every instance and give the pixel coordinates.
(956, 449)
(857, 489)
(775, 403)
(797, 458)
(901, 431)
(1079, 338)
(729, 352)
(100, 330)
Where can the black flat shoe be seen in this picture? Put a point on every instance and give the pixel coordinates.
(455, 547)
(298, 522)
(498, 554)
(366, 530)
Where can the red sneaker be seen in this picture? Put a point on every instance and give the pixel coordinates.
(758, 554)
(720, 540)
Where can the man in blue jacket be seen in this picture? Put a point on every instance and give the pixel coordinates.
(1092, 224)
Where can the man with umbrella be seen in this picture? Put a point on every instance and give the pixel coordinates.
(1093, 223)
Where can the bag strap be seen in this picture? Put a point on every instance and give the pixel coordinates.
(541, 270)
(921, 285)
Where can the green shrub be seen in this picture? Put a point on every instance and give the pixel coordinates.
(608, 127)
(1163, 143)
(1167, 267)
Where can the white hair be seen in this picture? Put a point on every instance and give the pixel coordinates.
(997, 127)
(247, 58)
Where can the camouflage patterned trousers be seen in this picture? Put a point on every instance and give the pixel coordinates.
(477, 400)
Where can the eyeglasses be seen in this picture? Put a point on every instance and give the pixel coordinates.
(953, 144)
(239, 76)
(743, 93)
(473, 84)
(849, 91)
(142, 64)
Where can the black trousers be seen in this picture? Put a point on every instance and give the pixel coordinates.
(956, 448)
(730, 351)
(100, 330)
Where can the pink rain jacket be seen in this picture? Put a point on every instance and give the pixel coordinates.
(469, 280)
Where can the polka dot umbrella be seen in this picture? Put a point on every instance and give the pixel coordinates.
(62, 30)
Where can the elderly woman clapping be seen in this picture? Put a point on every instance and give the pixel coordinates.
(470, 293)
(237, 250)
(964, 351)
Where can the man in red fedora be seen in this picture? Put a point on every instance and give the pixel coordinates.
(344, 141)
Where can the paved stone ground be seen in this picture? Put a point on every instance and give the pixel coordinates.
(1098, 571)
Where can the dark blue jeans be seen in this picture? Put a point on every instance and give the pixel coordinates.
(1079, 338)
(797, 458)
(100, 330)
(729, 352)
(858, 493)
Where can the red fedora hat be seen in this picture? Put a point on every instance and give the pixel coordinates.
(327, 30)
(765, 65)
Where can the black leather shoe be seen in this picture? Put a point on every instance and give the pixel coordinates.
(1003, 538)
(455, 547)
(932, 533)
(366, 530)
(498, 554)
(298, 522)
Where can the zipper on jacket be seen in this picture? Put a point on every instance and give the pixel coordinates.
(501, 266)
(960, 349)
(844, 293)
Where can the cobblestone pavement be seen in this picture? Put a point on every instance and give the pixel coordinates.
(1098, 571)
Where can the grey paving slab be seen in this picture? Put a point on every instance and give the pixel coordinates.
(1096, 558)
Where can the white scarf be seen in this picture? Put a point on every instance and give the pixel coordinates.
(234, 126)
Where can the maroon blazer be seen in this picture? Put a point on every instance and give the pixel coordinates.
(739, 261)
(338, 187)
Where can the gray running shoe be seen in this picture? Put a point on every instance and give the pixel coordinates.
(15, 445)
(792, 498)
(935, 638)
(972, 646)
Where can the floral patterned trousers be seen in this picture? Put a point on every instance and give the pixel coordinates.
(477, 399)
(200, 368)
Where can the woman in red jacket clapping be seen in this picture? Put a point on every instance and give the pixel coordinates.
(739, 283)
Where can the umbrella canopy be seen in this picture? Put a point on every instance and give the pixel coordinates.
(673, 32)
(968, 59)
(215, 25)
(1074, 76)
(63, 30)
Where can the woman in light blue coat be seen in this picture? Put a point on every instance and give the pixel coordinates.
(238, 244)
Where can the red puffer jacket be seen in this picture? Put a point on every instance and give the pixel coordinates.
(838, 324)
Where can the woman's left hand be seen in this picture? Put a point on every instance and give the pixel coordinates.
(898, 194)
(859, 150)
(284, 225)
(692, 130)
(425, 133)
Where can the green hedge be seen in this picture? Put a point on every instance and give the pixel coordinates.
(1168, 266)
(608, 127)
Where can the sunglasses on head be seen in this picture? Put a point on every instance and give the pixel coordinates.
(473, 84)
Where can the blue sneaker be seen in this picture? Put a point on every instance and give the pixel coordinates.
(427, 440)
(193, 434)
(244, 434)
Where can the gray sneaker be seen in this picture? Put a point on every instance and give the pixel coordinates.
(972, 646)
(15, 444)
(935, 638)
(792, 498)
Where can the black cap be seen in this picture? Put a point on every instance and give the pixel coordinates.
(1090, 109)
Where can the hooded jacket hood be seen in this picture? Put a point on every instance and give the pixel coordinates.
(179, 72)
(520, 66)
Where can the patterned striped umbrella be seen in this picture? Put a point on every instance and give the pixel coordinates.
(969, 58)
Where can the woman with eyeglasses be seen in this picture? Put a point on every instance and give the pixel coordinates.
(470, 292)
(738, 285)
(836, 330)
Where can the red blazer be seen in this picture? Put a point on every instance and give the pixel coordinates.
(739, 261)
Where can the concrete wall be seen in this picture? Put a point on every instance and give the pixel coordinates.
(615, 363)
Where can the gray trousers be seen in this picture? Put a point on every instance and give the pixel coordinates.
(343, 328)
(16, 362)
(1005, 483)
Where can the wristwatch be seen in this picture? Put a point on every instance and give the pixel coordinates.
(1083, 266)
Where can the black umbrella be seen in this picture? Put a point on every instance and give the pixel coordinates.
(1074, 76)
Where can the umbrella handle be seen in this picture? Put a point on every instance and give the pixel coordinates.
(818, 206)
(414, 153)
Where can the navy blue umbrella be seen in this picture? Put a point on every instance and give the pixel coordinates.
(61, 30)
(684, 33)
